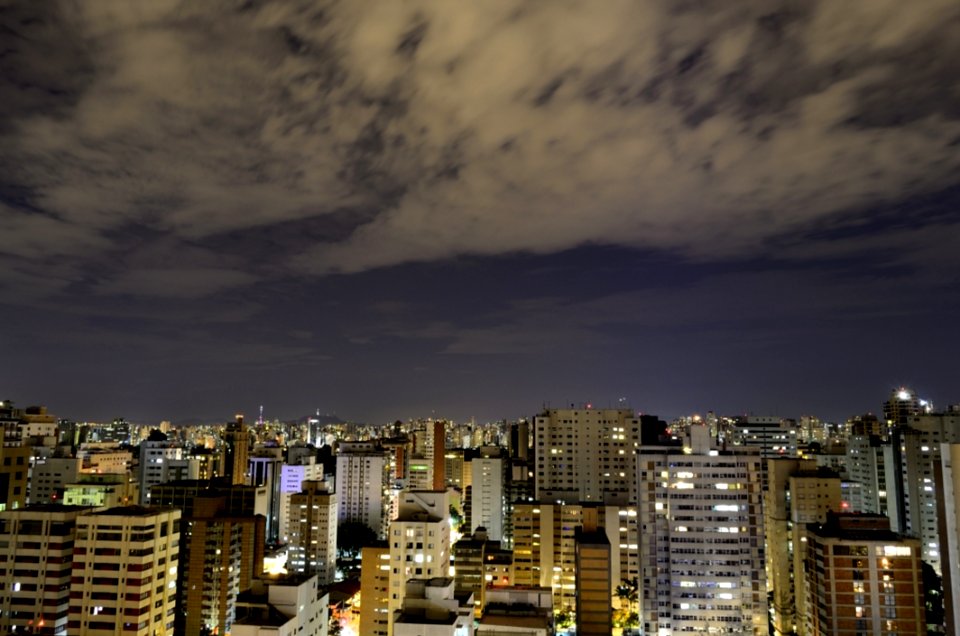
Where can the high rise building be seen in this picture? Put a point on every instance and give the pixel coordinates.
(586, 455)
(222, 549)
(156, 461)
(487, 505)
(517, 610)
(772, 436)
(902, 404)
(237, 441)
(870, 464)
(223, 553)
(36, 559)
(861, 578)
(594, 612)
(313, 532)
(292, 604)
(375, 590)
(799, 493)
(362, 480)
(436, 447)
(419, 541)
(292, 477)
(916, 454)
(948, 490)
(469, 557)
(701, 552)
(455, 463)
(264, 468)
(544, 545)
(124, 573)
(433, 606)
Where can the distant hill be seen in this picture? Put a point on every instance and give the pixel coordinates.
(323, 419)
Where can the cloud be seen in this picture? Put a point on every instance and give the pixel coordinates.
(175, 282)
(365, 134)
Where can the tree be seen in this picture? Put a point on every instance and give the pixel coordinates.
(563, 619)
(352, 536)
(335, 627)
(933, 598)
(628, 591)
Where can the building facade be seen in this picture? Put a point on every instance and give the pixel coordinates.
(702, 540)
(586, 455)
(124, 574)
(313, 532)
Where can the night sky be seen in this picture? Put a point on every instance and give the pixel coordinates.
(388, 209)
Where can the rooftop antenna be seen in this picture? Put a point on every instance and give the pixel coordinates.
(260, 420)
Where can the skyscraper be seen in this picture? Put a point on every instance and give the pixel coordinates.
(702, 537)
(222, 548)
(586, 455)
(594, 613)
(236, 439)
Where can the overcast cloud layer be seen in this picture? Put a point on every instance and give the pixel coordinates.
(176, 150)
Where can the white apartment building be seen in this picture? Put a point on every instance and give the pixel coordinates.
(157, 467)
(702, 539)
(125, 572)
(916, 455)
(949, 486)
(432, 607)
(586, 455)
(362, 478)
(869, 463)
(294, 597)
(486, 494)
(419, 541)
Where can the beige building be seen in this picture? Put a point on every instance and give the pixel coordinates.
(375, 591)
(313, 532)
(419, 541)
(544, 546)
(125, 572)
(586, 455)
(799, 493)
(109, 490)
(14, 466)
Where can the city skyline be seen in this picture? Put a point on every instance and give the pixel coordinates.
(389, 212)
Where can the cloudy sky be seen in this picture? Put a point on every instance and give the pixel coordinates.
(391, 209)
